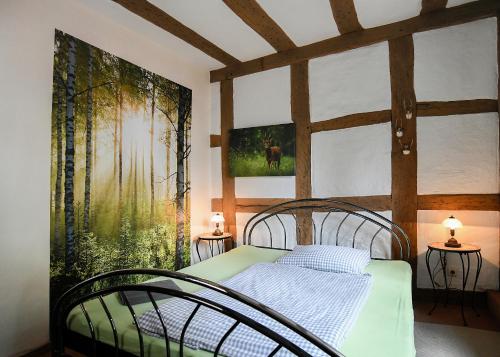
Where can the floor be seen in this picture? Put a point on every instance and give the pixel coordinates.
(432, 340)
(451, 315)
(443, 333)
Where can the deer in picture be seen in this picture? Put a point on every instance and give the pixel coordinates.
(273, 153)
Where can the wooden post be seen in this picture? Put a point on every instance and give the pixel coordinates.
(299, 81)
(498, 98)
(404, 167)
(228, 192)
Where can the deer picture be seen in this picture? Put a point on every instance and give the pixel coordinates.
(273, 153)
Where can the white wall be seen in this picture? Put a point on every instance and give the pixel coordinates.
(457, 62)
(26, 54)
(263, 99)
(352, 162)
(350, 82)
(456, 154)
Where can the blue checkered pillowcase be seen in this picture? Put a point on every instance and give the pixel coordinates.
(330, 258)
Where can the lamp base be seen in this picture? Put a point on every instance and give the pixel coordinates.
(452, 243)
(217, 232)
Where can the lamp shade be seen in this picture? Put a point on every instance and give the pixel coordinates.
(217, 218)
(452, 223)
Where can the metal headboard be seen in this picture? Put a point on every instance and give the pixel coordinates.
(367, 226)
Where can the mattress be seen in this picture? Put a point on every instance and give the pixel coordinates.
(384, 327)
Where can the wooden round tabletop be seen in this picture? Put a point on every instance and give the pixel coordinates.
(465, 248)
(210, 235)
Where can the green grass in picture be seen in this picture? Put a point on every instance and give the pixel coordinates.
(262, 151)
(256, 165)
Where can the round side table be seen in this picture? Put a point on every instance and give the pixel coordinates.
(211, 240)
(465, 249)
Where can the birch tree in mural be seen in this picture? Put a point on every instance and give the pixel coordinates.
(120, 144)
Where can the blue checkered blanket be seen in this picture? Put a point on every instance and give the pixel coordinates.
(327, 304)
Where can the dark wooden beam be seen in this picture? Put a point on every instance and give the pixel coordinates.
(215, 141)
(345, 16)
(352, 120)
(432, 5)
(255, 205)
(467, 202)
(160, 18)
(452, 16)
(429, 109)
(228, 190)
(498, 97)
(255, 17)
(299, 82)
(458, 202)
(404, 167)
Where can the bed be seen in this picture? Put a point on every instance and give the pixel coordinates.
(91, 317)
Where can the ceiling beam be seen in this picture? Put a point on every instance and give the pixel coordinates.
(432, 5)
(447, 17)
(155, 15)
(254, 16)
(345, 16)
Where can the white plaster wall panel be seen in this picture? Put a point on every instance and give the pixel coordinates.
(213, 20)
(457, 2)
(262, 98)
(304, 21)
(215, 110)
(352, 162)
(456, 63)
(265, 187)
(458, 154)
(261, 234)
(480, 228)
(375, 13)
(350, 82)
(329, 224)
(215, 173)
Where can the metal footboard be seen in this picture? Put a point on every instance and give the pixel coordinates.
(90, 290)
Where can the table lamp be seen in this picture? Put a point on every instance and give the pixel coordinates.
(452, 223)
(217, 218)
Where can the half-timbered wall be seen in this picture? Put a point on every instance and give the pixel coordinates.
(457, 154)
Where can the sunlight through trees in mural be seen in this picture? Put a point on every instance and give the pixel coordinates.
(120, 173)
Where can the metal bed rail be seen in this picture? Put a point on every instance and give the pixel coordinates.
(74, 298)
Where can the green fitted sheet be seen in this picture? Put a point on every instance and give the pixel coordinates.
(384, 327)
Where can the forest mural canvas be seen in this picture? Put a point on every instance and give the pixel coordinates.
(262, 151)
(119, 166)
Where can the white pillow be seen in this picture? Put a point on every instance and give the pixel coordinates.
(330, 258)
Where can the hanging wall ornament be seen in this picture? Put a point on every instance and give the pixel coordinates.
(406, 148)
(408, 109)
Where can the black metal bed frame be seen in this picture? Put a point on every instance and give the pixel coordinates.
(352, 212)
(92, 288)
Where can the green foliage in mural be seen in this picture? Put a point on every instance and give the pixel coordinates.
(120, 193)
